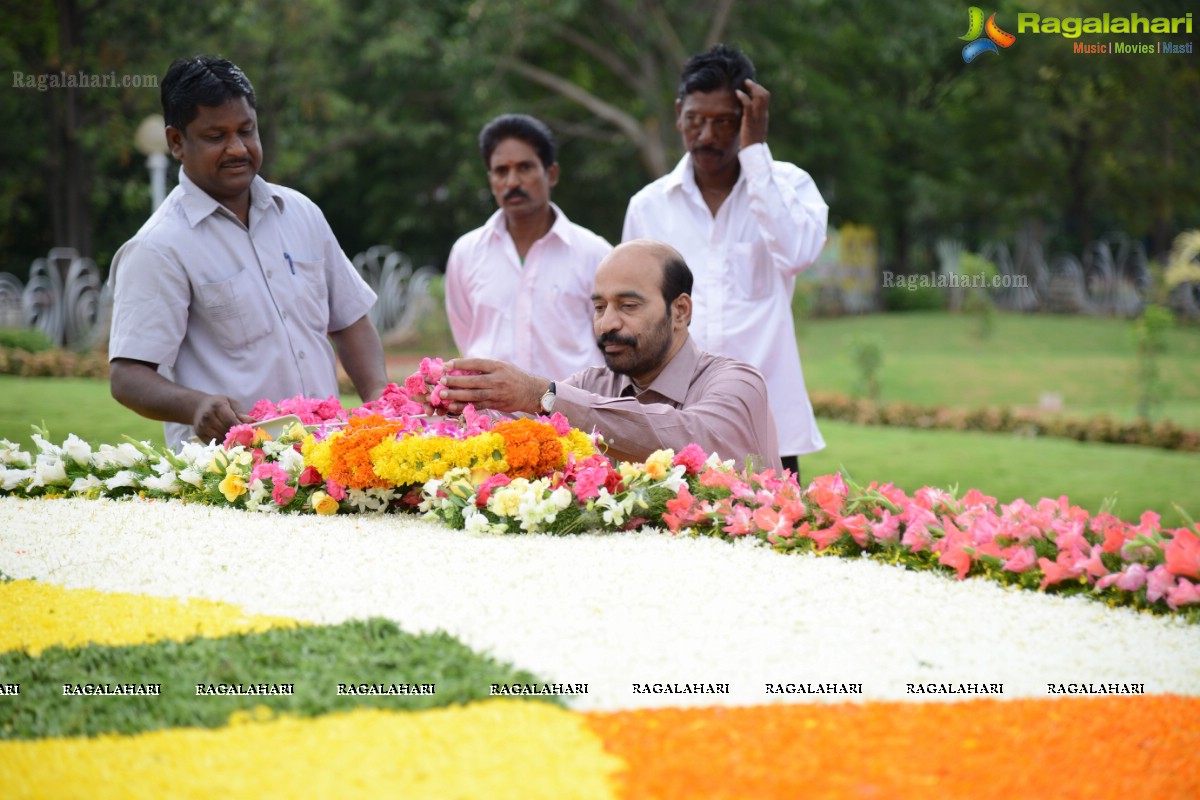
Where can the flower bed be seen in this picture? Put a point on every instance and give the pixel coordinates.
(494, 475)
(612, 610)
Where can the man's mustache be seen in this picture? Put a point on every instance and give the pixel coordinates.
(707, 149)
(516, 191)
(615, 338)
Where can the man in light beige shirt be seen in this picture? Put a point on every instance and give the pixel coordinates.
(658, 389)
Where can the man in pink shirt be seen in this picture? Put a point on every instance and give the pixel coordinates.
(518, 287)
(657, 389)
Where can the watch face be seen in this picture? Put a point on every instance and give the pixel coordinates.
(548, 402)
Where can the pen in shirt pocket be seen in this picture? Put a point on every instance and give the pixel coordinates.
(291, 266)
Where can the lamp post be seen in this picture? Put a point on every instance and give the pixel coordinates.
(151, 141)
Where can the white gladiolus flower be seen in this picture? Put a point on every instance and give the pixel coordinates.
(291, 461)
(12, 478)
(192, 476)
(162, 483)
(124, 478)
(78, 450)
(122, 456)
(676, 479)
(44, 446)
(48, 470)
(85, 484)
(11, 453)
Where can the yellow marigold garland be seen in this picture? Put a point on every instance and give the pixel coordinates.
(417, 458)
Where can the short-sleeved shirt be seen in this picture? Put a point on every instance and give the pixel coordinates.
(716, 402)
(234, 311)
(536, 314)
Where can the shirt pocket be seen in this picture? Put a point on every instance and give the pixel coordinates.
(311, 301)
(493, 316)
(236, 310)
(750, 272)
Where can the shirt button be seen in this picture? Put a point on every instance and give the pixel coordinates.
(268, 273)
(302, 354)
(284, 313)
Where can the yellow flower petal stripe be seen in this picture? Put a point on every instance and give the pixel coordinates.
(496, 749)
(39, 615)
(1086, 748)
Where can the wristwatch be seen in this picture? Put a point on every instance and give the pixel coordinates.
(548, 399)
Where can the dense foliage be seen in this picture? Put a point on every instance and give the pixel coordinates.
(373, 108)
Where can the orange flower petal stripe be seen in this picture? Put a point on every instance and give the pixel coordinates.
(351, 451)
(1093, 748)
(531, 448)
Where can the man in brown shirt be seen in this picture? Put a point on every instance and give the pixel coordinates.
(658, 389)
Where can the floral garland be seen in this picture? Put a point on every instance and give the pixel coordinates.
(527, 475)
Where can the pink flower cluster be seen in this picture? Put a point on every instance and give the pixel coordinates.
(426, 381)
(1050, 544)
(310, 410)
(405, 402)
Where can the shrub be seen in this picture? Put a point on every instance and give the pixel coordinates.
(31, 340)
(1166, 435)
(917, 298)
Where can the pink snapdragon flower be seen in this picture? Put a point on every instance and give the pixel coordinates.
(1020, 559)
(1184, 593)
(1131, 579)
(1182, 554)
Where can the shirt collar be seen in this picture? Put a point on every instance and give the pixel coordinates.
(673, 382)
(198, 204)
(560, 229)
(683, 177)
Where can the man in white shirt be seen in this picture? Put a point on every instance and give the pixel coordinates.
(235, 290)
(746, 225)
(518, 289)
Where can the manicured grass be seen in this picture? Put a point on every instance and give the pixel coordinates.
(82, 406)
(933, 358)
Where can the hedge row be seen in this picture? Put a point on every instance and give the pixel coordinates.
(54, 363)
(1165, 434)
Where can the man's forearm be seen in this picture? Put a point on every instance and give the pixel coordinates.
(138, 386)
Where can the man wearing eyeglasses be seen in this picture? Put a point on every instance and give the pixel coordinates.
(519, 288)
(746, 225)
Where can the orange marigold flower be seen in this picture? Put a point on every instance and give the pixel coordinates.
(350, 451)
(531, 448)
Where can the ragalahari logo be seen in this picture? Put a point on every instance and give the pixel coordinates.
(978, 44)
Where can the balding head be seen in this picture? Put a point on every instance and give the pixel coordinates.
(675, 278)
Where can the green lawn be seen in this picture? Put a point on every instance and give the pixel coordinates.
(933, 358)
(1004, 466)
(1008, 467)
